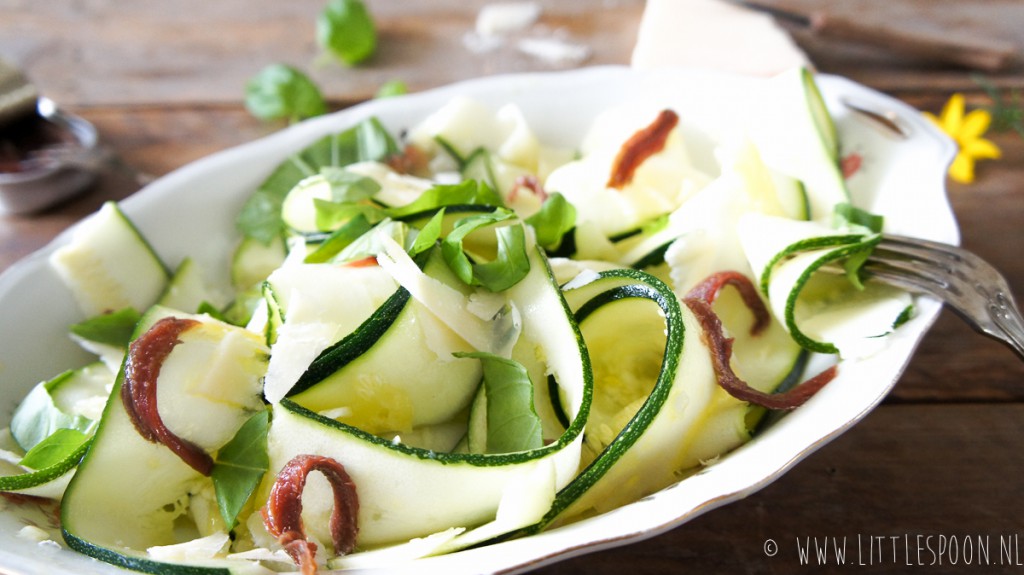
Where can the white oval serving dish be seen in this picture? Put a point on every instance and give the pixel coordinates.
(191, 212)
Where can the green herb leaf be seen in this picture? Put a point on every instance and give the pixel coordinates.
(509, 266)
(113, 328)
(854, 262)
(512, 420)
(428, 235)
(346, 30)
(467, 193)
(555, 218)
(55, 449)
(333, 215)
(340, 239)
(282, 92)
(849, 215)
(859, 221)
(211, 310)
(392, 88)
(347, 186)
(368, 244)
(260, 217)
(240, 466)
(38, 416)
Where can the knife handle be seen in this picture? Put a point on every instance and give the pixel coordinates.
(990, 55)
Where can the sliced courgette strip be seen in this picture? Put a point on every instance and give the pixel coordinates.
(654, 431)
(407, 492)
(684, 418)
(130, 494)
(45, 420)
(794, 133)
(108, 265)
(799, 265)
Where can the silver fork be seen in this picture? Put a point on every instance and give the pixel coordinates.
(968, 284)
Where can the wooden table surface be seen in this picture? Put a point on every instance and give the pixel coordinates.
(163, 83)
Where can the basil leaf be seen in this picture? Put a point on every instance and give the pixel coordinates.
(859, 220)
(240, 465)
(340, 239)
(55, 449)
(38, 416)
(211, 310)
(280, 92)
(346, 30)
(392, 88)
(260, 217)
(512, 420)
(467, 193)
(555, 218)
(849, 215)
(332, 215)
(854, 262)
(368, 244)
(428, 235)
(348, 186)
(113, 328)
(509, 266)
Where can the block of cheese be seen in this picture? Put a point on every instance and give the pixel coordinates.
(713, 34)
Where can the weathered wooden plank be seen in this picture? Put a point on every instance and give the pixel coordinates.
(165, 53)
(903, 471)
(201, 52)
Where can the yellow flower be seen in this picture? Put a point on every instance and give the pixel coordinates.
(966, 130)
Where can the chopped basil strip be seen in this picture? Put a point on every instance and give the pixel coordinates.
(509, 265)
(339, 239)
(38, 417)
(55, 449)
(469, 193)
(512, 420)
(428, 235)
(260, 217)
(240, 466)
(555, 218)
(113, 328)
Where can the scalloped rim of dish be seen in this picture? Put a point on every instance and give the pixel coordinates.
(571, 98)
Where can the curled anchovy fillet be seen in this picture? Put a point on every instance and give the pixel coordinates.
(282, 514)
(709, 289)
(642, 145)
(146, 356)
(699, 301)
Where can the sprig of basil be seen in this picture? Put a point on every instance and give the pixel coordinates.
(260, 217)
(240, 465)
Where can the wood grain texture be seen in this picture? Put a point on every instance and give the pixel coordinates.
(195, 51)
(905, 470)
(164, 82)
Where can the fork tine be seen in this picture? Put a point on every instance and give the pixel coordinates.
(912, 276)
(949, 257)
(971, 286)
